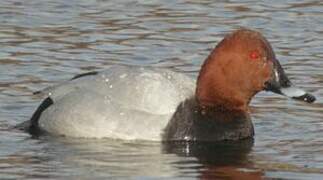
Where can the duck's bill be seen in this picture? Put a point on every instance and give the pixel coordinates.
(280, 84)
(298, 94)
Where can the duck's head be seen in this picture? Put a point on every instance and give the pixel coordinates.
(240, 66)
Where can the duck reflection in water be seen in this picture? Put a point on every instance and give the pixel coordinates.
(219, 160)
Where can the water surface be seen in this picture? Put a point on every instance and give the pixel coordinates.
(46, 42)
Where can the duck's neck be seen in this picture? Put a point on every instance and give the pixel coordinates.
(217, 89)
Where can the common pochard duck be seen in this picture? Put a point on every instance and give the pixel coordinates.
(127, 102)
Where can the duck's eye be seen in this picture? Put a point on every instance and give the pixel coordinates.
(254, 55)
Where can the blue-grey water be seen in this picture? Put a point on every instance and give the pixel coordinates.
(46, 42)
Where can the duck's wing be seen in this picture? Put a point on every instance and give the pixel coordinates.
(153, 89)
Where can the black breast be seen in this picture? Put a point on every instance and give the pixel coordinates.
(192, 123)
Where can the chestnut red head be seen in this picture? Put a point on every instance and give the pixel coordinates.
(240, 66)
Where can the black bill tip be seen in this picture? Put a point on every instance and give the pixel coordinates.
(309, 98)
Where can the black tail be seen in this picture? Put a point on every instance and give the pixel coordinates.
(34, 120)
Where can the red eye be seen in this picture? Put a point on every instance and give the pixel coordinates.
(254, 55)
